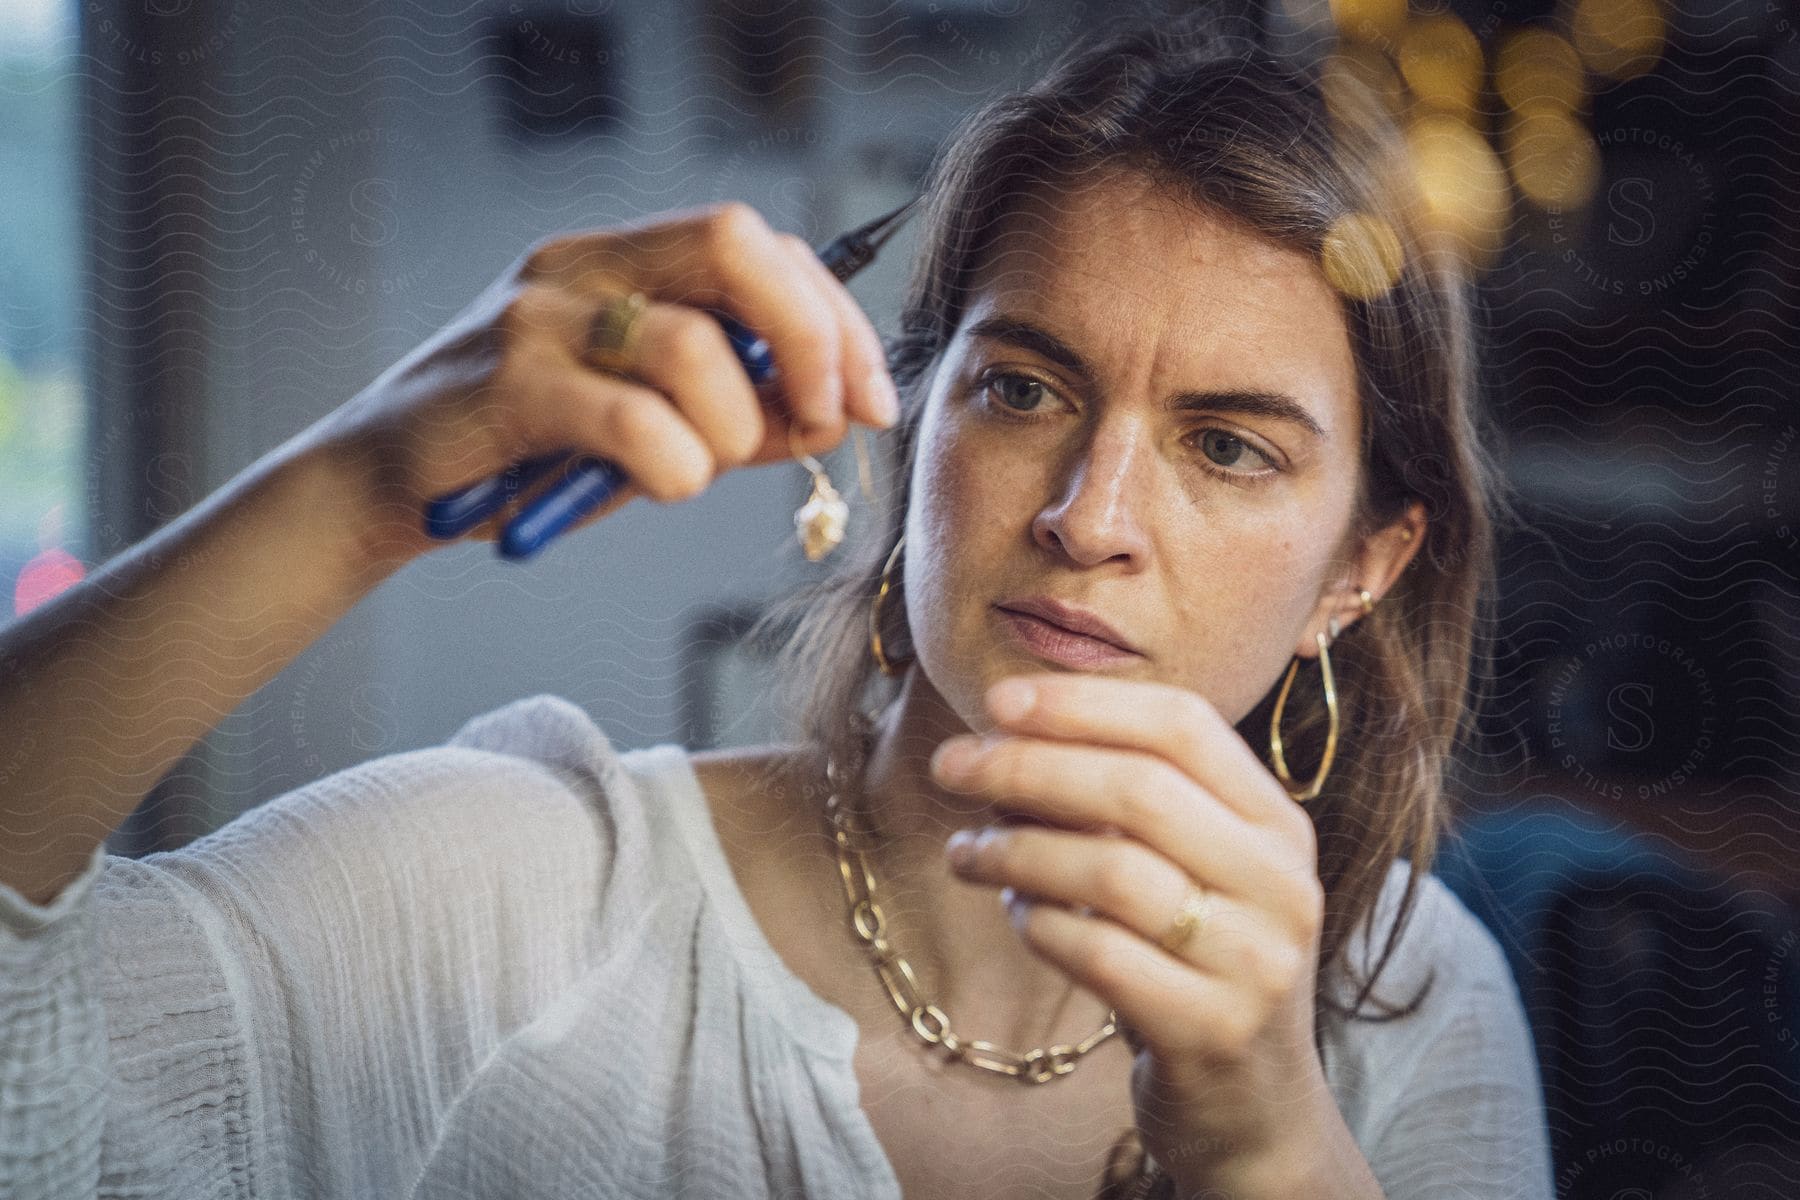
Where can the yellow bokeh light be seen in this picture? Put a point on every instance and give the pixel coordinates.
(1360, 67)
(1441, 62)
(1554, 159)
(1463, 185)
(1535, 67)
(1377, 22)
(1361, 256)
(1618, 38)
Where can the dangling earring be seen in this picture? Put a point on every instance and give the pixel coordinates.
(888, 666)
(1311, 791)
(820, 521)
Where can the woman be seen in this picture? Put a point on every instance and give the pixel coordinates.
(525, 964)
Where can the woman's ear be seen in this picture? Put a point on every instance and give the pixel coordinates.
(1383, 555)
(1387, 552)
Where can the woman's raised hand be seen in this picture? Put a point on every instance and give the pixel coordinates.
(505, 379)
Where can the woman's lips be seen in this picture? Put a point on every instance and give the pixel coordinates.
(1059, 645)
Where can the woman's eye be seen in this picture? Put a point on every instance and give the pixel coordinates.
(1225, 449)
(1008, 388)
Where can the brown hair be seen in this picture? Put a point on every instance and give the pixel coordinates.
(1218, 122)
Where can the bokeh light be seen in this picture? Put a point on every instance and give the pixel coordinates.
(1354, 67)
(1377, 22)
(1535, 67)
(1618, 38)
(1554, 159)
(1442, 63)
(1463, 184)
(50, 573)
(1362, 256)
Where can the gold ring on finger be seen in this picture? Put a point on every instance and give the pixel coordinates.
(612, 333)
(1192, 915)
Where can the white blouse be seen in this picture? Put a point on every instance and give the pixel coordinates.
(518, 965)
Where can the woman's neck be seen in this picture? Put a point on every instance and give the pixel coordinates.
(955, 934)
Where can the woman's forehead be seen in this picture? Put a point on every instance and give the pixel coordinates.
(1130, 240)
(1136, 280)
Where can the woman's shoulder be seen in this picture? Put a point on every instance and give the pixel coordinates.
(550, 735)
(1446, 960)
(1412, 1088)
(560, 765)
(1440, 942)
(528, 803)
(525, 774)
(657, 804)
(546, 732)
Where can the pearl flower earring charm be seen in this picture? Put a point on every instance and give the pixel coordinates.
(820, 521)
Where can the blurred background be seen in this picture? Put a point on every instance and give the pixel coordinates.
(224, 217)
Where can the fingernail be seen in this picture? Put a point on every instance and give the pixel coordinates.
(1015, 909)
(960, 847)
(887, 403)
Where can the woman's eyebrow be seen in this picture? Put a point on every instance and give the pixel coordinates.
(1024, 334)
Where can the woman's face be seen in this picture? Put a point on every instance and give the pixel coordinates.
(1150, 414)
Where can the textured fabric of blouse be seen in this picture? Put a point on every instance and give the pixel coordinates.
(518, 965)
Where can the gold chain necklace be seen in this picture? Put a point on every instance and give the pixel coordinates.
(869, 923)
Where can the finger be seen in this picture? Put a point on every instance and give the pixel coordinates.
(680, 353)
(1140, 795)
(723, 257)
(684, 354)
(1126, 882)
(1171, 1008)
(1112, 876)
(867, 384)
(634, 426)
(1174, 722)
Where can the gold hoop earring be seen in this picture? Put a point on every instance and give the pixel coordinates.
(1311, 791)
(888, 666)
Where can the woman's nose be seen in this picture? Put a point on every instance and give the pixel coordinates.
(1105, 491)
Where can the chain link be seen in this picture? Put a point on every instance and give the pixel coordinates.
(927, 1020)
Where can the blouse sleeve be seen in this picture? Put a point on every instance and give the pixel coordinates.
(289, 1005)
(1470, 1121)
